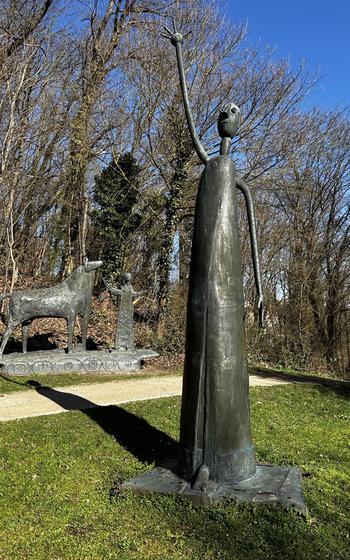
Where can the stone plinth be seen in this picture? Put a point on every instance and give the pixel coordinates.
(57, 361)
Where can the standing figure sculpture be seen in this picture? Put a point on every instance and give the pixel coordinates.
(124, 339)
(215, 434)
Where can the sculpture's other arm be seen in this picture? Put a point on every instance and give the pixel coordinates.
(138, 294)
(243, 187)
(176, 40)
(111, 289)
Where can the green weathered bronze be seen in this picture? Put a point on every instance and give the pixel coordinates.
(215, 435)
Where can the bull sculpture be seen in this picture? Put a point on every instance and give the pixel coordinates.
(68, 299)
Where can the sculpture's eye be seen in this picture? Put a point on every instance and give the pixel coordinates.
(233, 110)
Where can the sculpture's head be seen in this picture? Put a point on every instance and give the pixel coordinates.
(126, 278)
(229, 120)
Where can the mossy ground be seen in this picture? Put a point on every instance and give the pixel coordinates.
(56, 473)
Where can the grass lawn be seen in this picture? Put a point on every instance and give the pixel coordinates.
(56, 473)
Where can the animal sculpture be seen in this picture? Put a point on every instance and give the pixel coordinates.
(70, 298)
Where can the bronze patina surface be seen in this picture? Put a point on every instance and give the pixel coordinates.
(215, 435)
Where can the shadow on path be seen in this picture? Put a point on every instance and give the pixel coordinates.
(340, 387)
(135, 434)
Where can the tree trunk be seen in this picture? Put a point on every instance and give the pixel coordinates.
(172, 211)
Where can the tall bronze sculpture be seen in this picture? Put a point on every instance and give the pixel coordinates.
(216, 454)
(215, 438)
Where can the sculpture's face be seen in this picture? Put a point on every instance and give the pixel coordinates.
(228, 121)
(127, 277)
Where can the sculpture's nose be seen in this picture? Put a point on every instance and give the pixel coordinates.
(224, 115)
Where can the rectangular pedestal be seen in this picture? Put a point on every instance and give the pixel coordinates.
(271, 484)
(57, 361)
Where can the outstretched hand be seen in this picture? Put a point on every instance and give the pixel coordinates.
(174, 36)
(261, 310)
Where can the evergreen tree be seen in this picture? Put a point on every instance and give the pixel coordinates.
(115, 218)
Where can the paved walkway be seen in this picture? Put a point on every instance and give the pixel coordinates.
(42, 401)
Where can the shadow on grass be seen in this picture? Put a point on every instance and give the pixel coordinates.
(136, 435)
(337, 386)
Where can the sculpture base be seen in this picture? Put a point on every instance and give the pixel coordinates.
(79, 361)
(271, 484)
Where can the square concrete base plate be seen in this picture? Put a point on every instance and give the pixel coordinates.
(271, 484)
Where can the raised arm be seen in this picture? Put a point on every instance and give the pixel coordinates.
(176, 40)
(243, 187)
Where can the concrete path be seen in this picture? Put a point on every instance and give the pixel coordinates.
(42, 401)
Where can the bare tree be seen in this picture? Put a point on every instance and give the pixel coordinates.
(311, 191)
(32, 138)
(19, 20)
(99, 55)
(218, 68)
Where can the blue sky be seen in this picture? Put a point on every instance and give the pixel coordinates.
(313, 30)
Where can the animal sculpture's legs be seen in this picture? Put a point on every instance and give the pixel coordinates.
(9, 329)
(25, 328)
(84, 326)
(70, 325)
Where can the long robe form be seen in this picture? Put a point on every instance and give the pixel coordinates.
(215, 424)
(125, 325)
